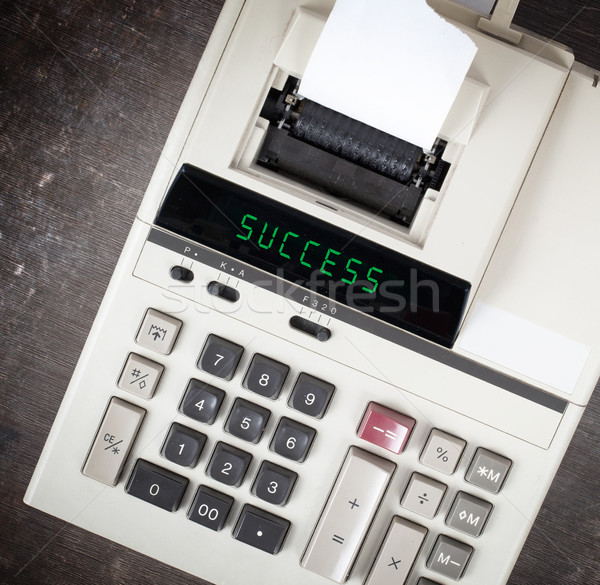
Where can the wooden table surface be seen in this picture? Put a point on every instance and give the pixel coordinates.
(89, 92)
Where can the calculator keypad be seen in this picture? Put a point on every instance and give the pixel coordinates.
(357, 492)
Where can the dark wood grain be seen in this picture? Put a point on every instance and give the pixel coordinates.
(573, 23)
(89, 92)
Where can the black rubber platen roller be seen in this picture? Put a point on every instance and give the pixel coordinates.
(356, 142)
(346, 158)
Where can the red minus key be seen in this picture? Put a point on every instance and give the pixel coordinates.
(385, 427)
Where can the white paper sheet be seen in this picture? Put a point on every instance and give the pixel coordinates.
(393, 64)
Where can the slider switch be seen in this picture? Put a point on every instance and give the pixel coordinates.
(182, 274)
(310, 327)
(218, 289)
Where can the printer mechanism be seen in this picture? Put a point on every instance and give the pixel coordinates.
(320, 155)
(347, 158)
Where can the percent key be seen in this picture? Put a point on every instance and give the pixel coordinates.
(442, 451)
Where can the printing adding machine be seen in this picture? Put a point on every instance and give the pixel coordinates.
(326, 353)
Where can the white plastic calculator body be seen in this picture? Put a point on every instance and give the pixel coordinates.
(246, 429)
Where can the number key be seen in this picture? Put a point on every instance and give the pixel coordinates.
(183, 446)
(311, 395)
(156, 485)
(274, 483)
(292, 440)
(265, 376)
(220, 357)
(201, 401)
(247, 421)
(228, 464)
(210, 508)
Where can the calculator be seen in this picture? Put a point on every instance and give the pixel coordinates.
(284, 385)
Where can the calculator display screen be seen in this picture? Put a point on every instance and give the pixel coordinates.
(313, 254)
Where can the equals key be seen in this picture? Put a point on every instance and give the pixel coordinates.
(348, 513)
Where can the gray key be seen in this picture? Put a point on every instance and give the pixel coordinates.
(156, 485)
(398, 552)
(488, 470)
(140, 376)
(468, 514)
(113, 441)
(311, 395)
(158, 331)
(247, 420)
(423, 495)
(442, 451)
(265, 376)
(220, 357)
(347, 515)
(449, 557)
